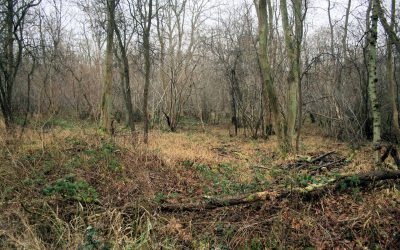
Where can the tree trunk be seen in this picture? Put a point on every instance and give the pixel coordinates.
(373, 79)
(298, 40)
(147, 68)
(106, 101)
(346, 24)
(269, 92)
(7, 85)
(293, 46)
(390, 76)
(125, 81)
(389, 30)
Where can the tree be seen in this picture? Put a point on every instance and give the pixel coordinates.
(178, 38)
(293, 50)
(12, 51)
(373, 79)
(390, 75)
(284, 127)
(106, 101)
(388, 28)
(269, 91)
(146, 16)
(225, 44)
(123, 62)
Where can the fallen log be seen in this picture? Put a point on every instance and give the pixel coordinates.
(214, 202)
(312, 191)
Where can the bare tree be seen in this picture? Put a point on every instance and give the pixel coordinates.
(147, 17)
(123, 42)
(13, 47)
(178, 33)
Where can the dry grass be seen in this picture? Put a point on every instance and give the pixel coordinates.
(130, 181)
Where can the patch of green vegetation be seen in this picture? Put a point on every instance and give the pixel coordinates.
(59, 122)
(8, 192)
(106, 154)
(187, 163)
(33, 181)
(92, 241)
(189, 122)
(21, 120)
(74, 141)
(224, 179)
(304, 180)
(74, 162)
(303, 146)
(276, 172)
(259, 177)
(70, 188)
(160, 197)
(42, 163)
(256, 243)
(349, 182)
(266, 160)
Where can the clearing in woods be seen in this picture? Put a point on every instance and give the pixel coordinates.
(70, 186)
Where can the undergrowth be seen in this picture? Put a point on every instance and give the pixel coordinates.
(79, 189)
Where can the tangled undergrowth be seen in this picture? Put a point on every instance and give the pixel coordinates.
(75, 188)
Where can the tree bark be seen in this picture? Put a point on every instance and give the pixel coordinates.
(346, 24)
(269, 92)
(106, 101)
(147, 68)
(373, 79)
(293, 46)
(390, 76)
(389, 30)
(125, 80)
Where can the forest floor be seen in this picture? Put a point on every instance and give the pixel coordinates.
(68, 186)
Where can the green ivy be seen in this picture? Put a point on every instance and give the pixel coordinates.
(71, 188)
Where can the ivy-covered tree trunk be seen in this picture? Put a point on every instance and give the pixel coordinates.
(106, 100)
(373, 79)
(293, 46)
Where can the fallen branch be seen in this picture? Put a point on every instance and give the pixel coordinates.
(318, 158)
(321, 157)
(308, 192)
(329, 164)
(211, 203)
